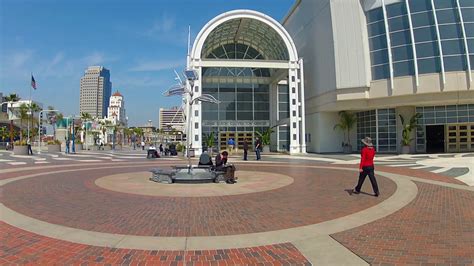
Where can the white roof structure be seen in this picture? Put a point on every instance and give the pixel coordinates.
(372, 4)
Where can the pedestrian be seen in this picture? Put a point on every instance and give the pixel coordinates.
(134, 139)
(143, 145)
(161, 148)
(246, 149)
(67, 146)
(366, 167)
(30, 151)
(231, 144)
(258, 147)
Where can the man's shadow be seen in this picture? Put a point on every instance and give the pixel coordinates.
(351, 191)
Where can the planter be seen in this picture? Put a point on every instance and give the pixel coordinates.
(347, 149)
(78, 147)
(54, 147)
(266, 149)
(405, 150)
(20, 150)
(107, 148)
(93, 148)
(118, 147)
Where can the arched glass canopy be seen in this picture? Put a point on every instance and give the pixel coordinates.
(244, 38)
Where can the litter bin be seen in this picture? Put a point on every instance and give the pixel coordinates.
(191, 153)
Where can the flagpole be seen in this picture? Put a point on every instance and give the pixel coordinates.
(29, 109)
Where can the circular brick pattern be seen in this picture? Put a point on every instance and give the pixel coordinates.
(73, 200)
(139, 183)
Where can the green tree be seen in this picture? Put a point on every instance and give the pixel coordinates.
(408, 128)
(265, 135)
(347, 121)
(23, 112)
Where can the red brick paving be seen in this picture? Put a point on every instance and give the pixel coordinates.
(436, 228)
(73, 200)
(21, 247)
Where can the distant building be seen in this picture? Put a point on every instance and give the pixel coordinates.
(171, 118)
(116, 110)
(95, 91)
(149, 132)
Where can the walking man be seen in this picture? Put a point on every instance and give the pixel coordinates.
(30, 151)
(246, 149)
(67, 145)
(366, 167)
(258, 146)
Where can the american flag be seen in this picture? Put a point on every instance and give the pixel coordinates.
(33, 82)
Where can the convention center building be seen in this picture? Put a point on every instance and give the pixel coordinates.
(377, 59)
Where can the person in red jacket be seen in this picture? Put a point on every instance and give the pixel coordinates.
(366, 167)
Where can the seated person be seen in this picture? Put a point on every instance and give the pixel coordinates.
(205, 159)
(152, 152)
(221, 165)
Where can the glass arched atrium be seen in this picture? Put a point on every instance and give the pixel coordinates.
(246, 63)
(423, 37)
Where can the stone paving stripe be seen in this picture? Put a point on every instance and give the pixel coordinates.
(17, 163)
(456, 171)
(441, 170)
(324, 250)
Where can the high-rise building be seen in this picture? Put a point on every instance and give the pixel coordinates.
(95, 91)
(171, 118)
(116, 110)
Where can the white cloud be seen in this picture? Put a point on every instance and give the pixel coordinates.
(19, 58)
(164, 24)
(158, 65)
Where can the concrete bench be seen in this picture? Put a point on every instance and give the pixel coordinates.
(162, 175)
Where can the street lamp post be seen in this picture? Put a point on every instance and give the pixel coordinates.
(39, 128)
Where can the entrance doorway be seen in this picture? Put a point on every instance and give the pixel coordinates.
(435, 139)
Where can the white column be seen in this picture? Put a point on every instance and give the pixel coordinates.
(438, 36)
(389, 43)
(197, 90)
(294, 112)
(413, 46)
(303, 111)
(468, 60)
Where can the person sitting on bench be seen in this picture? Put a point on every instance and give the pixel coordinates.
(152, 152)
(205, 159)
(221, 165)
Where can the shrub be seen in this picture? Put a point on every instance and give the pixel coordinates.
(54, 142)
(179, 147)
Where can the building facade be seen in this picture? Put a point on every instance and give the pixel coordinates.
(248, 62)
(172, 118)
(116, 110)
(95, 91)
(384, 58)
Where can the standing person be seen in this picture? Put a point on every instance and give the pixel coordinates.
(67, 145)
(258, 146)
(161, 148)
(134, 141)
(366, 167)
(143, 145)
(30, 151)
(246, 149)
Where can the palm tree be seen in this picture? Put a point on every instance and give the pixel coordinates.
(347, 121)
(23, 111)
(11, 99)
(408, 128)
(34, 108)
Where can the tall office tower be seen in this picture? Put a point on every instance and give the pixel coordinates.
(95, 91)
(116, 110)
(171, 118)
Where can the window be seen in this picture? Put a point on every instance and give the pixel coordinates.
(402, 53)
(403, 68)
(379, 57)
(427, 50)
(380, 72)
(378, 42)
(455, 63)
(425, 34)
(452, 47)
(450, 31)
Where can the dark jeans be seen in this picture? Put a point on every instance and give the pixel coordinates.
(30, 151)
(367, 171)
(257, 152)
(245, 155)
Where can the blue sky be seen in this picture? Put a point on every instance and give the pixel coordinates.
(139, 41)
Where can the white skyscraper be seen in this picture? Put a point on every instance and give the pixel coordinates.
(116, 110)
(95, 91)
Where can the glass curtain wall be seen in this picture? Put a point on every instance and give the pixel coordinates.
(283, 113)
(381, 126)
(426, 40)
(441, 115)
